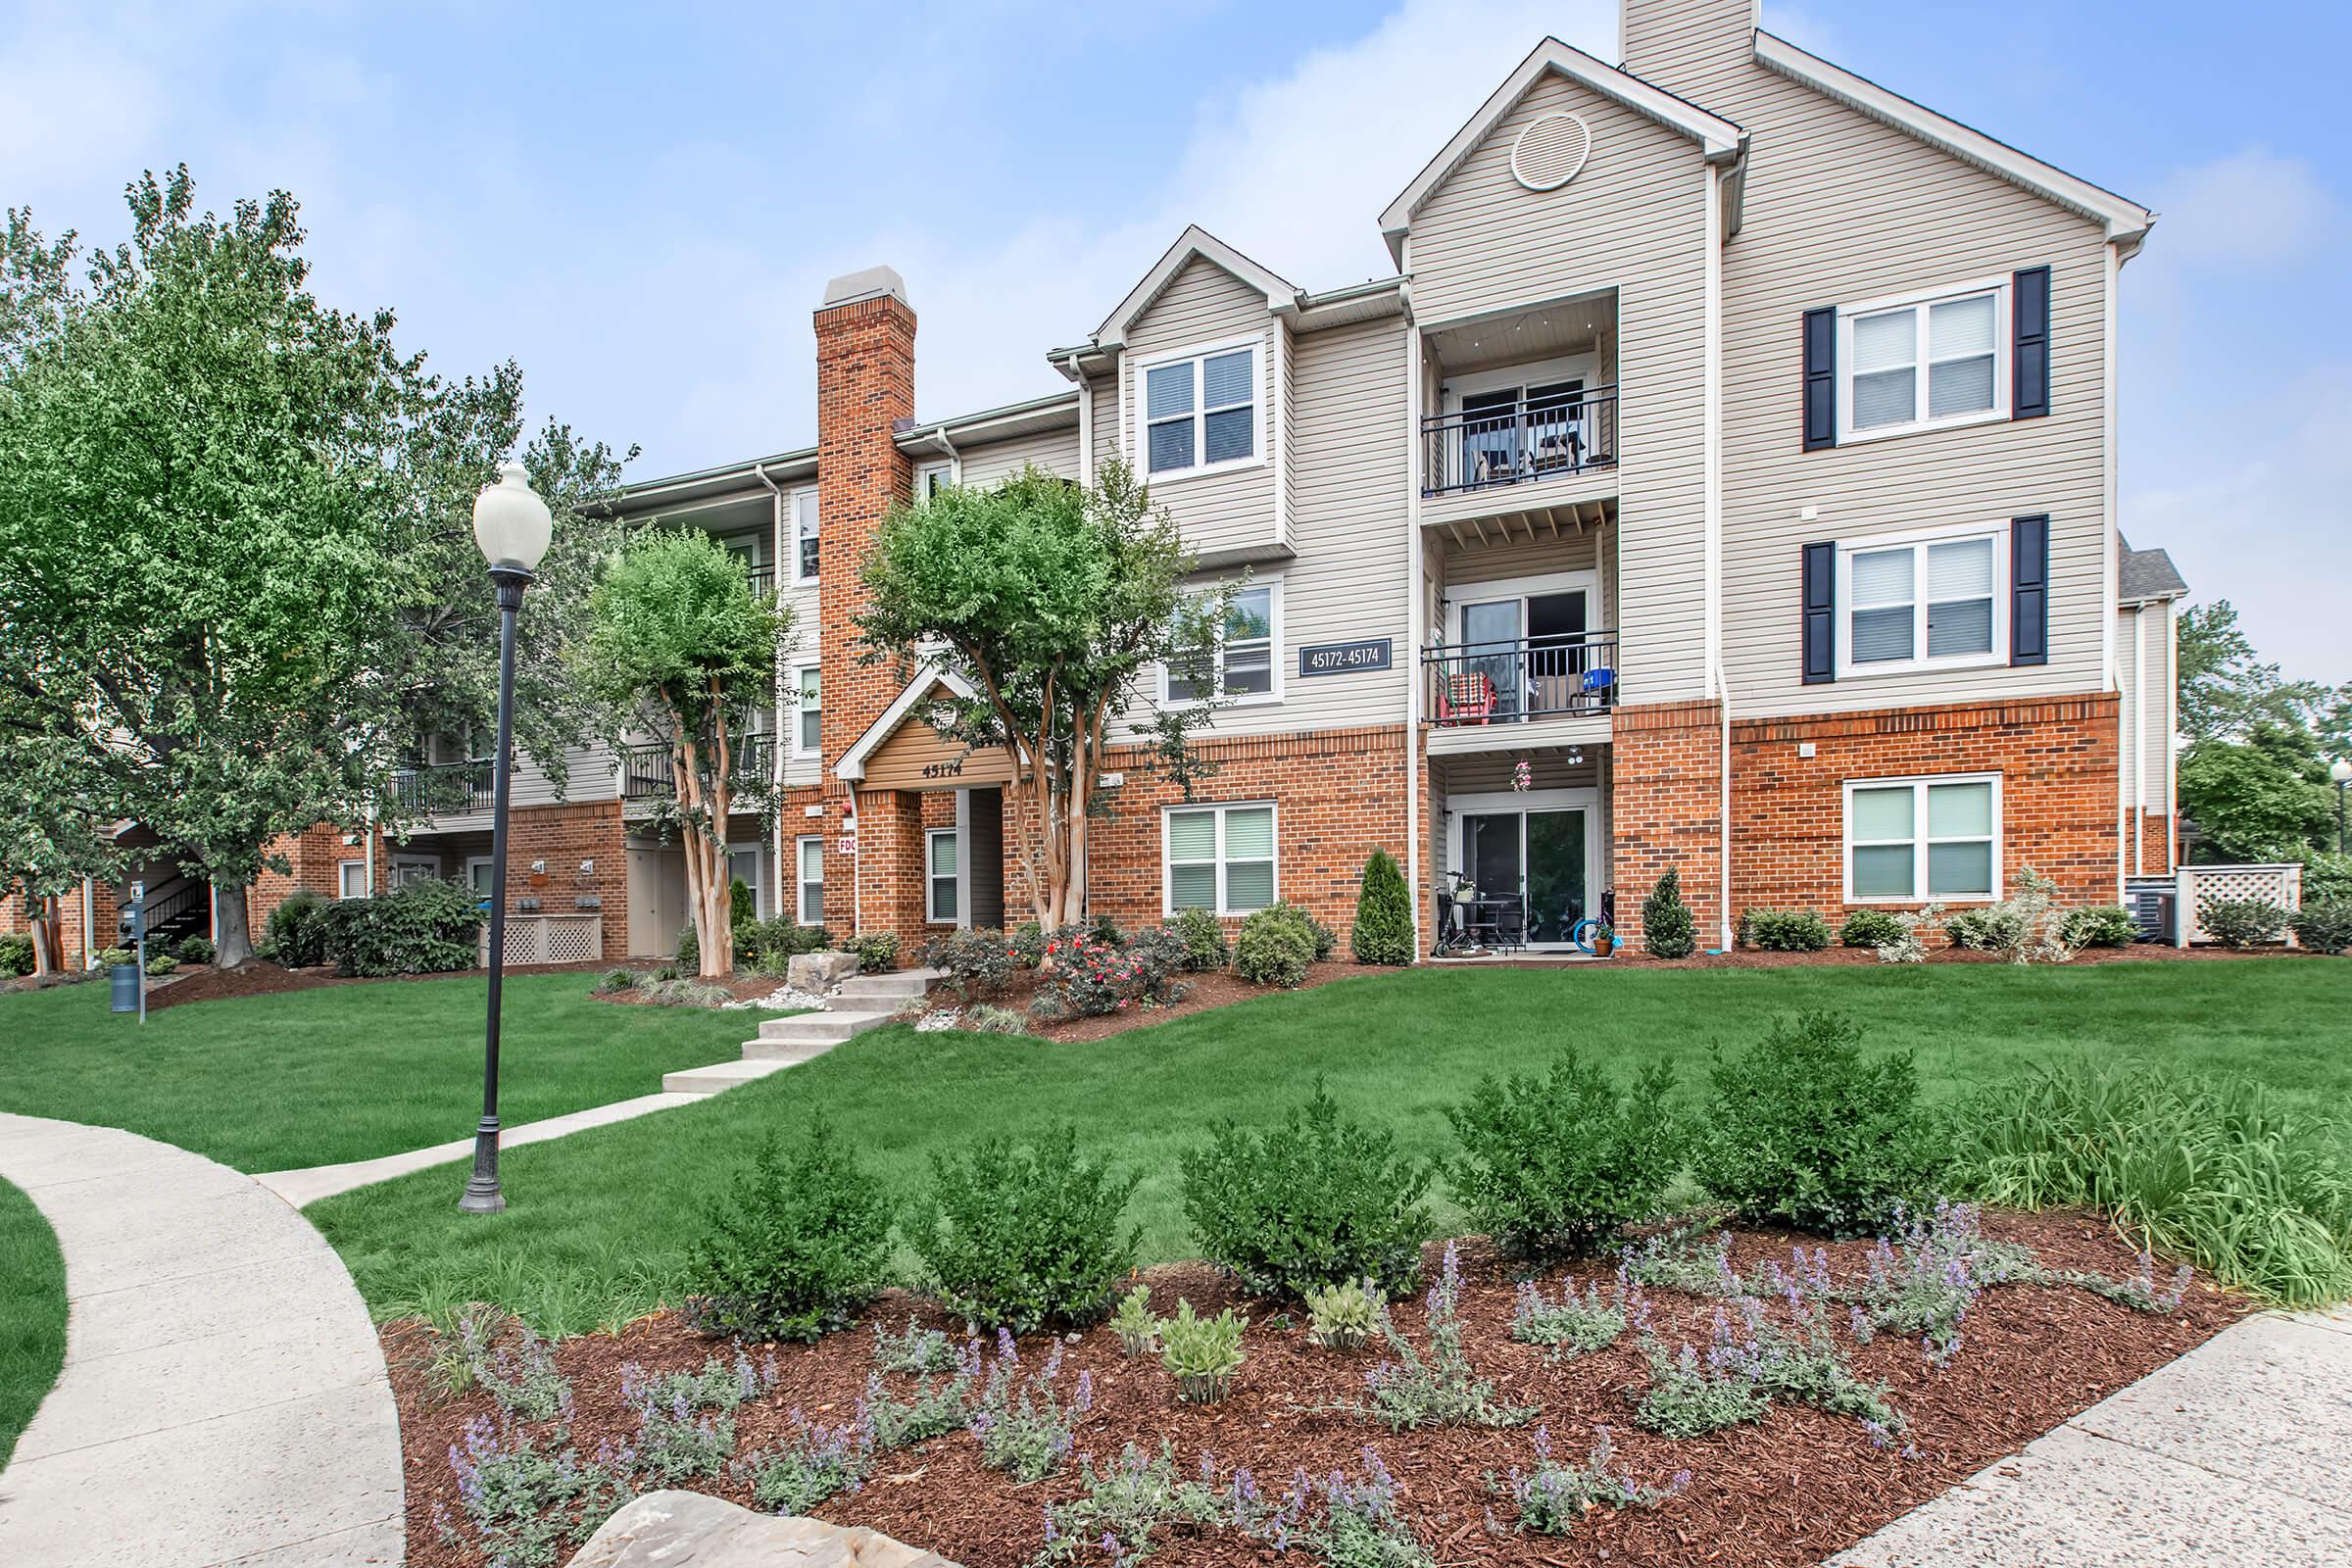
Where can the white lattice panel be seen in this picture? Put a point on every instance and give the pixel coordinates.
(551, 939)
(2282, 885)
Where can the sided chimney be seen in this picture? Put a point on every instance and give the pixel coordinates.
(1687, 46)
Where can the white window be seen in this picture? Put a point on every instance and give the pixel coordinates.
(811, 852)
(743, 865)
(1201, 412)
(1914, 365)
(351, 879)
(803, 535)
(940, 881)
(930, 478)
(1249, 649)
(807, 730)
(477, 874)
(1909, 840)
(406, 871)
(1219, 858)
(1921, 602)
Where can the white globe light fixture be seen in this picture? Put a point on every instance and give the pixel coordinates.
(2339, 772)
(512, 526)
(510, 522)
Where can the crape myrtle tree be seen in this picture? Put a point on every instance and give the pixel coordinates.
(1056, 604)
(680, 647)
(230, 522)
(54, 830)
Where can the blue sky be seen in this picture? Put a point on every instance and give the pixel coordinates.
(641, 205)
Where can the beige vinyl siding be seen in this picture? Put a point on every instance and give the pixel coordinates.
(1055, 450)
(806, 652)
(1635, 221)
(1204, 303)
(1689, 47)
(1109, 442)
(1842, 209)
(1286, 404)
(2144, 654)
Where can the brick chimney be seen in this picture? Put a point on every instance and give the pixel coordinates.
(1687, 46)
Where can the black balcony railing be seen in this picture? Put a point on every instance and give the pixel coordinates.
(763, 580)
(443, 789)
(645, 770)
(1540, 438)
(1530, 677)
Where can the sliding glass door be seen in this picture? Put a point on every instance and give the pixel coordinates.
(1541, 857)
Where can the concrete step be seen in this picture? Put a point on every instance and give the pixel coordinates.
(787, 1051)
(897, 986)
(822, 1028)
(718, 1076)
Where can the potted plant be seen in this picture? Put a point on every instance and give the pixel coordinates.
(1604, 942)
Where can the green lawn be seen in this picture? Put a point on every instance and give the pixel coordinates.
(32, 1314)
(600, 1221)
(342, 1073)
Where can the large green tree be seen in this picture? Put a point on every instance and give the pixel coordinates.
(233, 534)
(1054, 604)
(682, 648)
(2259, 799)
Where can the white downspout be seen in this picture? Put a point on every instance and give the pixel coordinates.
(1086, 420)
(776, 749)
(2140, 738)
(89, 909)
(1713, 505)
(2110, 565)
(1415, 610)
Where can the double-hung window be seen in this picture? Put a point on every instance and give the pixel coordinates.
(940, 881)
(1248, 649)
(810, 849)
(351, 879)
(1921, 601)
(1219, 858)
(1201, 413)
(807, 727)
(803, 535)
(743, 865)
(1914, 365)
(1914, 838)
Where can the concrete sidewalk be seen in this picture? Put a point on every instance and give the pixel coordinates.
(224, 1399)
(2235, 1453)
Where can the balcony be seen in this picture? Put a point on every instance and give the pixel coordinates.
(645, 771)
(442, 789)
(763, 580)
(1529, 691)
(1519, 443)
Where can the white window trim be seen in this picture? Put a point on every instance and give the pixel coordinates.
(410, 863)
(473, 860)
(1139, 435)
(1272, 582)
(1917, 541)
(1167, 879)
(1920, 841)
(932, 879)
(343, 870)
(757, 880)
(792, 536)
(799, 882)
(799, 688)
(945, 467)
(2003, 330)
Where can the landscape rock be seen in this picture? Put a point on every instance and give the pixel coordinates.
(679, 1529)
(819, 971)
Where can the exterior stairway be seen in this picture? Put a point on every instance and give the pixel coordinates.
(867, 1002)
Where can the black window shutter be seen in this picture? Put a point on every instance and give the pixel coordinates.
(2030, 355)
(2029, 590)
(1821, 378)
(1821, 613)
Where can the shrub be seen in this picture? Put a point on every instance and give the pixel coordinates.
(1669, 930)
(2241, 922)
(114, 957)
(1202, 1354)
(689, 950)
(1091, 977)
(977, 963)
(1311, 1203)
(1558, 1163)
(2327, 878)
(195, 949)
(1382, 932)
(616, 980)
(987, 1019)
(1019, 1237)
(1204, 938)
(1274, 948)
(1785, 930)
(1805, 1130)
(1991, 929)
(2323, 927)
(295, 934)
(743, 905)
(2101, 926)
(1027, 944)
(876, 951)
(162, 963)
(798, 1248)
(768, 944)
(1343, 1316)
(1871, 928)
(2214, 1168)
(1912, 929)
(16, 952)
(425, 927)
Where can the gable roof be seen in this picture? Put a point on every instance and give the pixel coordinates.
(851, 766)
(2144, 576)
(1194, 244)
(2127, 222)
(1718, 138)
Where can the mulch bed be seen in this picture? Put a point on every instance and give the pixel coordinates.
(1212, 989)
(1790, 1490)
(741, 986)
(262, 978)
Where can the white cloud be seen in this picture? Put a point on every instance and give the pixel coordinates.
(2248, 209)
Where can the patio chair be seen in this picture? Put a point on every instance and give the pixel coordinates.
(1510, 925)
(1466, 697)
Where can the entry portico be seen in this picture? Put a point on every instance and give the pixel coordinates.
(928, 819)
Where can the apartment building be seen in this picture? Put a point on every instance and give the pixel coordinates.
(1724, 479)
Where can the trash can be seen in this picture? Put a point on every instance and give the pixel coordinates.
(125, 981)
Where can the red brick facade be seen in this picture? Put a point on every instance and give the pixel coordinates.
(2156, 844)
(558, 839)
(2058, 761)
(1666, 810)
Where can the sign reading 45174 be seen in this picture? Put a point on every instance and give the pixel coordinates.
(1346, 659)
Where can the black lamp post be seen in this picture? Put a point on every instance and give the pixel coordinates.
(511, 526)
(2341, 772)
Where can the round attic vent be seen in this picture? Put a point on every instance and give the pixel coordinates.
(1549, 152)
